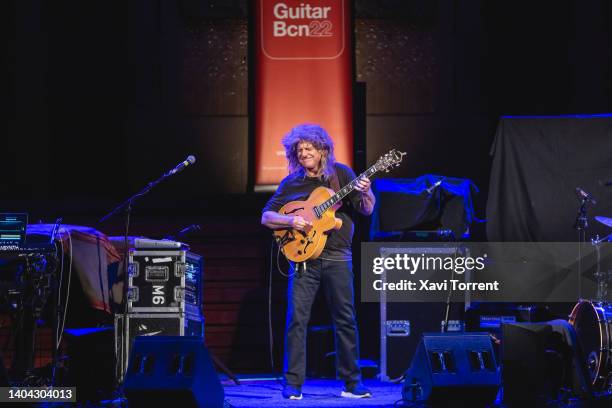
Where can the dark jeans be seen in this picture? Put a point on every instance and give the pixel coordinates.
(336, 277)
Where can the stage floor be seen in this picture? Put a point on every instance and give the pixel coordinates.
(316, 393)
(266, 392)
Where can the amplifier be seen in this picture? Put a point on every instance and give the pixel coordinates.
(490, 317)
(164, 281)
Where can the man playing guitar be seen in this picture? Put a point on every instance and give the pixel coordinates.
(310, 155)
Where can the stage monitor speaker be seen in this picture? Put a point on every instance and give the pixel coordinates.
(457, 368)
(172, 371)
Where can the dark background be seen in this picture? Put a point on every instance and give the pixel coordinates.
(104, 96)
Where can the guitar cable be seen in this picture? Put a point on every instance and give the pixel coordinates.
(270, 327)
(278, 266)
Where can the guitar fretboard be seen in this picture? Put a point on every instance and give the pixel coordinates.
(343, 192)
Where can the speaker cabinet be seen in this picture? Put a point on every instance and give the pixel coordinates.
(172, 371)
(3, 376)
(93, 374)
(453, 367)
(539, 360)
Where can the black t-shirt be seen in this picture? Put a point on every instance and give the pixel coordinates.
(298, 186)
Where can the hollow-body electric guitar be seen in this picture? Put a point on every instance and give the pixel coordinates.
(320, 209)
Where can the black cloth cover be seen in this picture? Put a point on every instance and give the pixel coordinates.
(407, 205)
(537, 164)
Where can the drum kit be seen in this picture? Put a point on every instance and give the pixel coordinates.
(592, 321)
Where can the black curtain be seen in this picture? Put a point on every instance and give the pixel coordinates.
(537, 164)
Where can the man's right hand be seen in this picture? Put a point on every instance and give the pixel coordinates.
(300, 224)
(274, 220)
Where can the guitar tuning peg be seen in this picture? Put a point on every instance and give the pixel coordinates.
(386, 170)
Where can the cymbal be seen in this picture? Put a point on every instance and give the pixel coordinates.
(607, 221)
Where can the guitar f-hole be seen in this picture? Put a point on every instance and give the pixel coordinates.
(294, 210)
(309, 241)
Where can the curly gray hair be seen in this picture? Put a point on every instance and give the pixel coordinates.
(318, 137)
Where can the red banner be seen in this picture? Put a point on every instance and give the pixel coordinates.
(303, 73)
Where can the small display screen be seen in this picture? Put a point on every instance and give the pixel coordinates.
(13, 228)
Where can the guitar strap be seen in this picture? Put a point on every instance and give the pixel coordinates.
(334, 182)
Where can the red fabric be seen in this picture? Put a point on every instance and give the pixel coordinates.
(92, 254)
(303, 73)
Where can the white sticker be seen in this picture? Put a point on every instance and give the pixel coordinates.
(162, 260)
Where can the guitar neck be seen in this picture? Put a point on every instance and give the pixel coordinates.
(343, 192)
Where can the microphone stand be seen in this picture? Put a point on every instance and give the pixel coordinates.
(580, 225)
(127, 206)
(449, 293)
(601, 277)
(436, 186)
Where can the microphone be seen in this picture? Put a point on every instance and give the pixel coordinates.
(431, 188)
(583, 195)
(184, 231)
(188, 162)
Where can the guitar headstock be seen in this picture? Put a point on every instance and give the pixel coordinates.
(390, 159)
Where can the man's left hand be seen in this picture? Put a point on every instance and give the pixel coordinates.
(363, 185)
